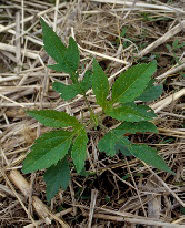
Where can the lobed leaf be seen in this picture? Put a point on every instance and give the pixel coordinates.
(132, 83)
(68, 92)
(52, 118)
(100, 85)
(47, 150)
(131, 113)
(67, 58)
(113, 143)
(151, 93)
(52, 44)
(79, 150)
(56, 177)
(150, 156)
(131, 128)
(109, 143)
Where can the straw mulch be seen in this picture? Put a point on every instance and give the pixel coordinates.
(123, 193)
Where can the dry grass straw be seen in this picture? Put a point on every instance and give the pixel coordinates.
(145, 197)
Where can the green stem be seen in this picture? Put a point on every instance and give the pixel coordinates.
(88, 104)
(86, 100)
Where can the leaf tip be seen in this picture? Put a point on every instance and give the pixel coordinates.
(95, 62)
(43, 22)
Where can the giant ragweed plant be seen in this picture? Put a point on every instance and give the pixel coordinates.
(53, 150)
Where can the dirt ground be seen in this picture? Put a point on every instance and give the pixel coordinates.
(123, 192)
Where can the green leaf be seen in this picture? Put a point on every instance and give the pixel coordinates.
(134, 128)
(52, 43)
(73, 55)
(133, 82)
(67, 92)
(84, 173)
(108, 143)
(67, 58)
(120, 148)
(168, 46)
(86, 83)
(182, 45)
(150, 156)
(175, 45)
(131, 113)
(124, 32)
(47, 150)
(56, 177)
(151, 93)
(52, 118)
(100, 85)
(79, 150)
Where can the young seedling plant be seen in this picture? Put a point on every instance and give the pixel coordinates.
(174, 48)
(56, 149)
